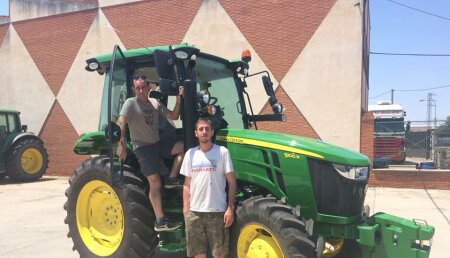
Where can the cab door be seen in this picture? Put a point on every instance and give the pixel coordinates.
(117, 94)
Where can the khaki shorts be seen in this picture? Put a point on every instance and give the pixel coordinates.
(203, 228)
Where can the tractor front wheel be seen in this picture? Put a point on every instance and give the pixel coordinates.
(27, 160)
(105, 221)
(266, 228)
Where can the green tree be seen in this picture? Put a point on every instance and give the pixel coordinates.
(445, 127)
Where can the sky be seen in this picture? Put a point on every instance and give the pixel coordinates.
(405, 27)
(399, 29)
(4, 7)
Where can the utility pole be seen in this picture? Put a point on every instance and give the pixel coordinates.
(431, 102)
(392, 96)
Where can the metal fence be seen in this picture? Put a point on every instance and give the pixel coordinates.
(423, 144)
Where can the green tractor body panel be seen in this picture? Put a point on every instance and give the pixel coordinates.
(320, 186)
(279, 164)
(91, 143)
(385, 235)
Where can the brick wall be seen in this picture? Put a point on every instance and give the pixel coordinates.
(367, 127)
(295, 121)
(278, 30)
(165, 23)
(410, 179)
(59, 136)
(3, 30)
(53, 45)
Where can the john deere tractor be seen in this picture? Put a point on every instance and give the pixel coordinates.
(23, 156)
(296, 197)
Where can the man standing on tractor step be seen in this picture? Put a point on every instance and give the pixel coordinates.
(207, 213)
(142, 115)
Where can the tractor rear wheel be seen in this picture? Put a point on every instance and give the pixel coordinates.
(27, 160)
(105, 221)
(266, 228)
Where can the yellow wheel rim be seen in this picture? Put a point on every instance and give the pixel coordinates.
(332, 247)
(256, 241)
(100, 218)
(31, 160)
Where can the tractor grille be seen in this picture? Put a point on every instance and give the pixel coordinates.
(335, 194)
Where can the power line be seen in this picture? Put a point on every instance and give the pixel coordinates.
(380, 95)
(421, 11)
(425, 89)
(440, 87)
(407, 54)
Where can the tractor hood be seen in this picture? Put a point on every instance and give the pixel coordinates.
(294, 144)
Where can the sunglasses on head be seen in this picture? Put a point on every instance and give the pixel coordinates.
(137, 77)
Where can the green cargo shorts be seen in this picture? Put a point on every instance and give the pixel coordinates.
(203, 228)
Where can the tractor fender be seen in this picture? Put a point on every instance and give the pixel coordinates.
(24, 135)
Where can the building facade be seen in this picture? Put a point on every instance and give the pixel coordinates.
(315, 51)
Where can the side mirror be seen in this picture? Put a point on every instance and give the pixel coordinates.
(113, 132)
(165, 63)
(24, 128)
(155, 95)
(268, 86)
(168, 87)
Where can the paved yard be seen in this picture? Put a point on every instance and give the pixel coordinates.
(32, 216)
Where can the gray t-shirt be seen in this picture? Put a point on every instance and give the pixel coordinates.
(143, 119)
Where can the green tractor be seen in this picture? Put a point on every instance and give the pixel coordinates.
(296, 197)
(23, 156)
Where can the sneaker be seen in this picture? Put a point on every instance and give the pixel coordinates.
(173, 183)
(167, 225)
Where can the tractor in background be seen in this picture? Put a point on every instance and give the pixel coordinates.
(23, 156)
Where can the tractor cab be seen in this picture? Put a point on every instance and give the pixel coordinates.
(213, 87)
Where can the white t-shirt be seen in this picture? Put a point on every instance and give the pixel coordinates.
(208, 181)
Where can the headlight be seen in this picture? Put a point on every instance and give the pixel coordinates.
(92, 66)
(353, 173)
(181, 54)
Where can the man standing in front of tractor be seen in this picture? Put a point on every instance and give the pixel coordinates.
(142, 115)
(208, 215)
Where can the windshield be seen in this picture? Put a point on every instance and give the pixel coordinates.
(219, 80)
(209, 74)
(389, 126)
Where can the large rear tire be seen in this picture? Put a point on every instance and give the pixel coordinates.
(27, 160)
(266, 228)
(105, 221)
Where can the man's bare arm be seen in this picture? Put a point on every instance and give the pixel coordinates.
(186, 194)
(228, 217)
(175, 113)
(121, 148)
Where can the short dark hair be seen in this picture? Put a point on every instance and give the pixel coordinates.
(206, 120)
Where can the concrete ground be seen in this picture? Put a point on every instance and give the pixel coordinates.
(32, 216)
